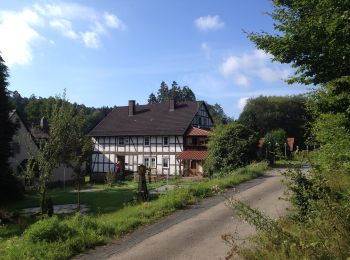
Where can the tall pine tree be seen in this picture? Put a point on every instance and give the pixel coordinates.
(9, 186)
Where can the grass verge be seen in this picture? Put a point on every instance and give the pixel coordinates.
(60, 238)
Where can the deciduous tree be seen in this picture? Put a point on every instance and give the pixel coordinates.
(230, 146)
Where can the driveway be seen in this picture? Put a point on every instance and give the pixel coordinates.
(195, 233)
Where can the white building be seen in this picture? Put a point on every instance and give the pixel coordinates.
(169, 138)
(24, 147)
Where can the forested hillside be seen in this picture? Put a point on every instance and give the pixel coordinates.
(32, 109)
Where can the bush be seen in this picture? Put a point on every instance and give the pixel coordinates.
(319, 226)
(275, 141)
(49, 230)
(230, 146)
(110, 179)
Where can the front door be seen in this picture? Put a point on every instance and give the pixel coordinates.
(193, 168)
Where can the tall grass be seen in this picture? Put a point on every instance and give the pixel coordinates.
(55, 238)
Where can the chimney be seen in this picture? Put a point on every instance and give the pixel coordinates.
(131, 107)
(171, 104)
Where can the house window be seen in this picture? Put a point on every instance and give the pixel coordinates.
(194, 140)
(200, 121)
(150, 162)
(166, 140)
(193, 164)
(165, 162)
(147, 162)
(121, 140)
(153, 162)
(146, 141)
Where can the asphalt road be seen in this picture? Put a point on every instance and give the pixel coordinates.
(195, 233)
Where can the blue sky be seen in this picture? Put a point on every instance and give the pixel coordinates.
(107, 52)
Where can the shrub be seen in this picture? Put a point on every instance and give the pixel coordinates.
(274, 143)
(230, 146)
(48, 230)
(110, 179)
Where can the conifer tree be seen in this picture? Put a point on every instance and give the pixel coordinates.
(9, 186)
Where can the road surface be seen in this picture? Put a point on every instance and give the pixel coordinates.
(195, 233)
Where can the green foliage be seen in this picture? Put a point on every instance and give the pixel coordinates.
(54, 238)
(230, 146)
(263, 114)
(218, 114)
(61, 238)
(312, 36)
(10, 187)
(319, 226)
(331, 132)
(333, 97)
(110, 179)
(276, 137)
(176, 92)
(274, 143)
(32, 109)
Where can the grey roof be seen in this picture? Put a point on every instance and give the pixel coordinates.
(152, 119)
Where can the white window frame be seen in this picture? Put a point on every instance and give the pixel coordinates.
(147, 161)
(167, 160)
(149, 141)
(150, 162)
(153, 160)
(168, 138)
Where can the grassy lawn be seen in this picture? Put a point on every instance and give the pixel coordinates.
(65, 236)
(108, 200)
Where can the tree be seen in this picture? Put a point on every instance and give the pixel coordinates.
(313, 36)
(264, 114)
(152, 99)
(78, 148)
(274, 142)
(218, 114)
(230, 146)
(9, 186)
(163, 93)
(176, 92)
(187, 94)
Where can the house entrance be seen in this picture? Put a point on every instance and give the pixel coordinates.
(194, 168)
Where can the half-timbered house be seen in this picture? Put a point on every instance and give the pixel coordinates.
(169, 138)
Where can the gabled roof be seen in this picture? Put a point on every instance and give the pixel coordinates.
(151, 119)
(195, 131)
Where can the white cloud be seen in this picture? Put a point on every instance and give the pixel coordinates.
(20, 30)
(65, 27)
(250, 65)
(113, 21)
(241, 80)
(18, 35)
(242, 102)
(230, 65)
(67, 10)
(206, 23)
(91, 39)
(62, 15)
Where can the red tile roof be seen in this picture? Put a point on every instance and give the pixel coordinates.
(195, 131)
(192, 155)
